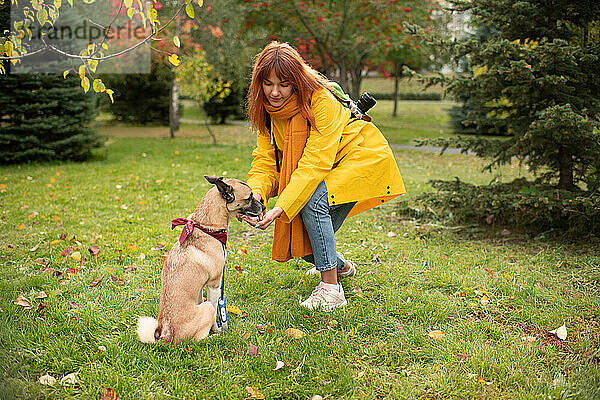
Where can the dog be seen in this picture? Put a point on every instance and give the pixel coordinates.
(196, 261)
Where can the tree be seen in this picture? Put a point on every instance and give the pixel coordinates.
(537, 78)
(38, 21)
(340, 36)
(45, 117)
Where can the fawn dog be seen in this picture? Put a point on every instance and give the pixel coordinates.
(195, 261)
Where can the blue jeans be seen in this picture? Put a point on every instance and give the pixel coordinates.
(321, 222)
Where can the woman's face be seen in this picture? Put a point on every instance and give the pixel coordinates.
(276, 91)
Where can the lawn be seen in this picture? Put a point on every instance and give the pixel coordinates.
(493, 294)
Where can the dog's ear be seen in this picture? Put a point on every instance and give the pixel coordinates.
(225, 189)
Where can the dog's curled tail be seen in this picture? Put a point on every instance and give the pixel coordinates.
(146, 329)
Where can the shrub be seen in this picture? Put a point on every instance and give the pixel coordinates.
(44, 117)
(520, 204)
(141, 98)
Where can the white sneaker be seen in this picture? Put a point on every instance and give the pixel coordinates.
(350, 272)
(325, 298)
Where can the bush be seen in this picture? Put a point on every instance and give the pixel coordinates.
(44, 117)
(520, 204)
(221, 105)
(141, 98)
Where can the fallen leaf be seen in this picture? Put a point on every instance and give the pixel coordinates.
(254, 393)
(66, 251)
(236, 310)
(63, 236)
(392, 234)
(47, 380)
(252, 350)
(246, 336)
(357, 289)
(260, 329)
(41, 306)
(407, 372)
(461, 355)
(278, 365)
(94, 250)
(317, 397)
(34, 248)
(295, 333)
(20, 226)
(483, 381)
(117, 280)
(485, 300)
(243, 251)
(489, 271)
(238, 268)
(102, 348)
(23, 302)
(142, 256)
(560, 332)
(436, 335)
(41, 295)
(70, 379)
(76, 256)
(132, 247)
(73, 271)
(109, 394)
(73, 304)
(97, 281)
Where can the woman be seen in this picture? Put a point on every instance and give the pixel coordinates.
(322, 164)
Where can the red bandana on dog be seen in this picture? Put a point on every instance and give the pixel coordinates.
(221, 235)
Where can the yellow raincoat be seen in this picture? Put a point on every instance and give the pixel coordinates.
(351, 156)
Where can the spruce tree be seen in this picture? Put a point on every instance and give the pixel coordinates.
(45, 117)
(537, 79)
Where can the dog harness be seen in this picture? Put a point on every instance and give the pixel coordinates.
(221, 236)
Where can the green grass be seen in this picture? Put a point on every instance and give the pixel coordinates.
(425, 278)
(405, 85)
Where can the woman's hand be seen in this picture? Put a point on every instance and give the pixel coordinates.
(264, 220)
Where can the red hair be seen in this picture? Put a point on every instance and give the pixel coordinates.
(288, 65)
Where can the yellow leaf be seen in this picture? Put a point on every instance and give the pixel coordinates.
(98, 86)
(132, 247)
(70, 2)
(236, 310)
(92, 64)
(295, 333)
(109, 92)
(85, 84)
(76, 256)
(174, 59)
(200, 3)
(55, 241)
(104, 46)
(243, 250)
(42, 16)
(57, 3)
(65, 74)
(130, 12)
(81, 71)
(176, 41)
(254, 394)
(128, 3)
(20, 226)
(436, 335)
(189, 10)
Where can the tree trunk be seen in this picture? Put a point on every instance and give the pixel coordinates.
(396, 79)
(344, 78)
(565, 163)
(174, 109)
